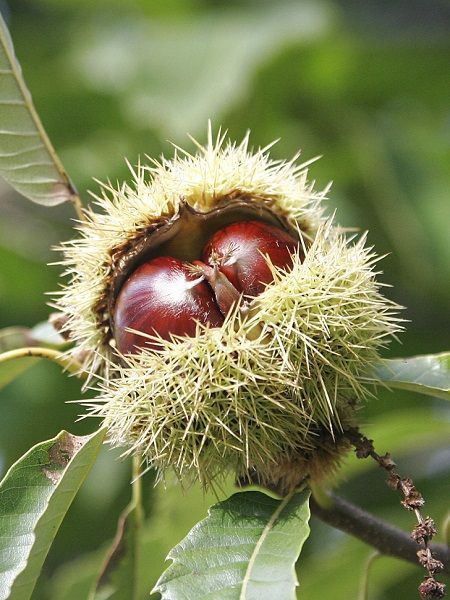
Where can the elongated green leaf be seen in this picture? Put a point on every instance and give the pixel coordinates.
(427, 374)
(245, 548)
(119, 578)
(27, 158)
(34, 497)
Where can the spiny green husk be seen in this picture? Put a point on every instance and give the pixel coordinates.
(266, 397)
(229, 401)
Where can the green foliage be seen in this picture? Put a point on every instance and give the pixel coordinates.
(245, 548)
(174, 512)
(429, 374)
(34, 497)
(362, 86)
(27, 159)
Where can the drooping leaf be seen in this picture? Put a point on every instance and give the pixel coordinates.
(427, 374)
(119, 577)
(28, 160)
(245, 548)
(35, 494)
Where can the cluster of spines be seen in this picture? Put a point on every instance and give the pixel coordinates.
(230, 399)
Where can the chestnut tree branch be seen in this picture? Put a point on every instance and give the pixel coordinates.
(375, 532)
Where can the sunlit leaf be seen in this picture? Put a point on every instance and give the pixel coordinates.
(245, 548)
(427, 374)
(34, 497)
(28, 160)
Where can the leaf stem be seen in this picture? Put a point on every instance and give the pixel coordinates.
(77, 204)
(68, 364)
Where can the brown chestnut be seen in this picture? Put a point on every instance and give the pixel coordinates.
(239, 251)
(166, 296)
(163, 296)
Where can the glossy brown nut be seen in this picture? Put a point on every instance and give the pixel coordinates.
(165, 297)
(239, 251)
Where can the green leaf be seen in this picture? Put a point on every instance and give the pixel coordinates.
(245, 548)
(28, 160)
(119, 578)
(428, 374)
(34, 497)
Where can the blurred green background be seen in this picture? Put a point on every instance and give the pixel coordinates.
(364, 84)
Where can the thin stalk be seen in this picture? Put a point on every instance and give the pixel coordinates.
(78, 205)
(364, 589)
(136, 503)
(68, 364)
